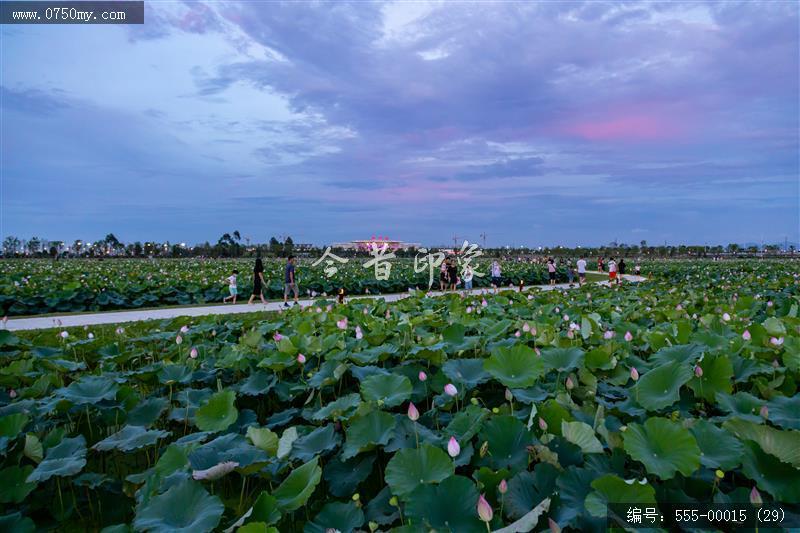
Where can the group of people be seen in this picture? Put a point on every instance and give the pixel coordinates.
(289, 283)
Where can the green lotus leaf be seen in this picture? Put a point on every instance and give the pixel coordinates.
(89, 390)
(33, 448)
(659, 388)
(130, 438)
(719, 449)
(562, 359)
(367, 431)
(16, 522)
(508, 440)
(265, 510)
(174, 373)
(771, 474)
(343, 477)
(467, 372)
(613, 489)
(774, 327)
(467, 423)
(681, 353)
(449, 506)
(228, 447)
(185, 507)
(783, 444)
(785, 411)
(320, 440)
(340, 409)
(66, 459)
(515, 367)
(12, 425)
(286, 442)
(297, 488)
(336, 516)
(412, 467)
(741, 405)
(389, 389)
(258, 383)
(716, 379)
(7, 338)
(173, 459)
(665, 447)
(15, 487)
(573, 486)
(582, 435)
(218, 413)
(257, 527)
(263, 438)
(527, 489)
(147, 412)
(554, 414)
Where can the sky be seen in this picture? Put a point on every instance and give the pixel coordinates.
(546, 123)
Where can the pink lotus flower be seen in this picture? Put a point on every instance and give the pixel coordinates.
(726, 317)
(215, 472)
(776, 341)
(538, 352)
(484, 303)
(64, 334)
(413, 414)
(764, 412)
(634, 374)
(533, 331)
(746, 335)
(342, 324)
(608, 335)
(570, 334)
(769, 303)
(388, 314)
(277, 337)
(184, 329)
(628, 336)
(90, 336)
(565, 318)
(453, 449)
(502, 488)
(12, 394)
(755, 497)
(698, 371)
(422, 376)
(450, 389)
(569, 383)
(678, 307)
(525, 327)
(301, 359)
(193, 353)
(359, 333)
(178, 340)
(484, 509)
(469, 309)
(517, 333)
(542, 424)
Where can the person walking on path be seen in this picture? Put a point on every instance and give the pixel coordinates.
(289, 281)
(231, 287)
(496, 273)
(570, 273)
(581, 271)
(601, 265)
(612, 271)
(551, 270)
(258, 280)
(637, 269)
(621, 267)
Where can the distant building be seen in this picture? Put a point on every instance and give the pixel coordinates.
(366, 244)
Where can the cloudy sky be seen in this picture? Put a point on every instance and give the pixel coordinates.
(535, 123)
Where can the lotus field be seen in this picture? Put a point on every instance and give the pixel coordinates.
(38, 286)
(453, 413)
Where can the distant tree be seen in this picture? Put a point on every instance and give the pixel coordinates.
(10, 245)
(274, 245)
(34, 244)
(733, 248)
(237, 236)
(288, 246)
(138, 249)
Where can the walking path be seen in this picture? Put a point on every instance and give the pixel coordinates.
(136, 315)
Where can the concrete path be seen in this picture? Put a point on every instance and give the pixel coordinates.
(136, 315)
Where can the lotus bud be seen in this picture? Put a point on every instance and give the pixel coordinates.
(678, 307)
(450, 389)
(570, 334)
(184, 329)
(608, 335)
(484, 449)
(484, 509)
(301, 359)
(64, 334)
(277, 337)
(517, 333)
(746, 335)
(698, 371)
(423, 376)
(453, 448)
(359, 333)
(193, 353)
(776, 341)
(755, 497)
(769, 303)
(502, 488)
(469, 309)
(628, 336)
(178, 340)
(509, 395)
(764, 412)
(542, 424)
(525, 327)
(553, 525)
(484, 303)
(342, 324)
(726, 317)
(634, 374)
(413, 413)
(12, 394)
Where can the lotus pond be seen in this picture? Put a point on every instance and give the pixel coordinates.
(401, 417)
(40, 286)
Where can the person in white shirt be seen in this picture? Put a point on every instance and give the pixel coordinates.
(467, 276)
(496, 271)
(581, 271)
(612, 271)
(231, 287)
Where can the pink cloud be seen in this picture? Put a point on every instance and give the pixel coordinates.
(624, 125)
